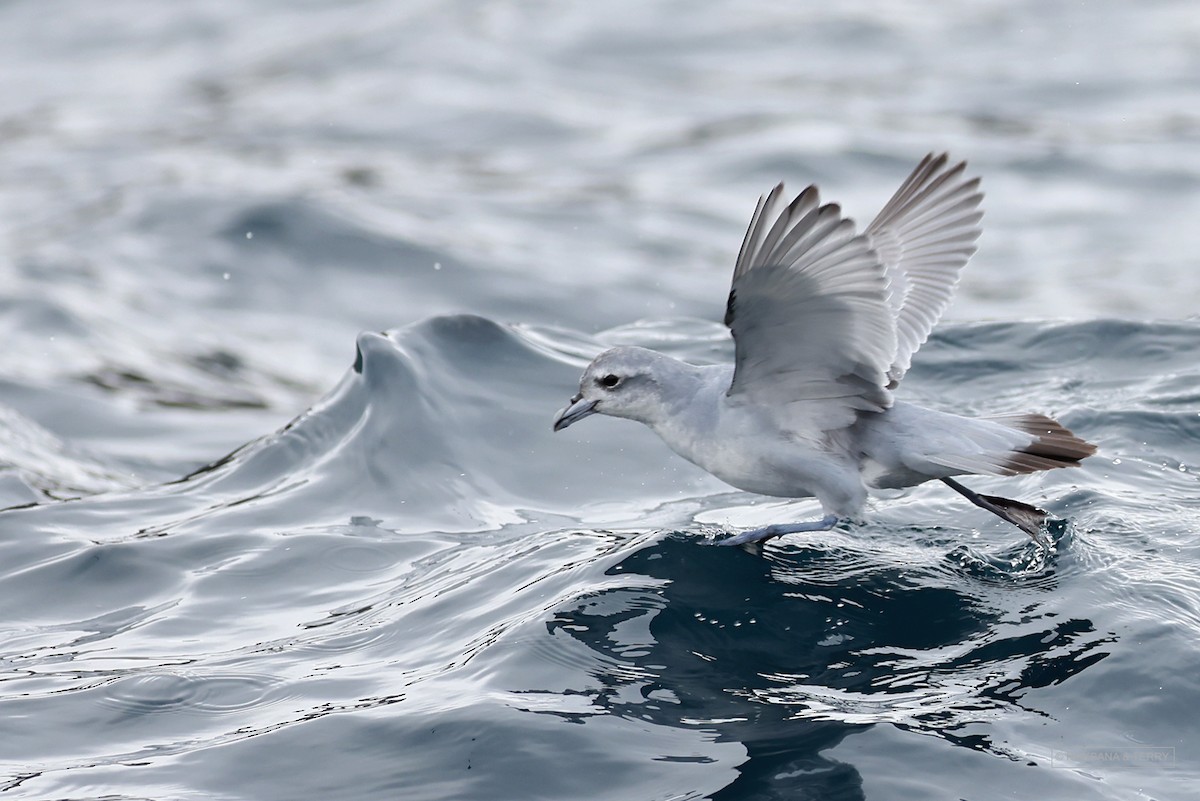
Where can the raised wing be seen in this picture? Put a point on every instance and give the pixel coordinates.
(808, 308)
(924, 235)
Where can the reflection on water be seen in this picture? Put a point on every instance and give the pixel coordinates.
(789, 651)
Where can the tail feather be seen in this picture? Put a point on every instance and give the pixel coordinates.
(1054, 445)
(1005, 446)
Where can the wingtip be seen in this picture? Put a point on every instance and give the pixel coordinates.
(937, 160)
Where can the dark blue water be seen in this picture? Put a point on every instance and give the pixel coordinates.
(292, 292)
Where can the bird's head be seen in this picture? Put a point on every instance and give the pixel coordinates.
(621, 382)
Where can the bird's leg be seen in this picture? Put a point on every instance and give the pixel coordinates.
(1025, 517)
(778, 529)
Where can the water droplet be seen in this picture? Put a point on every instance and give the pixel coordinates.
(1116, 461)
(249, 234)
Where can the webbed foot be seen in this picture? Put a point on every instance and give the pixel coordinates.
(1029, 519)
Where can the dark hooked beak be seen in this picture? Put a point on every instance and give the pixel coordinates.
(576, 411)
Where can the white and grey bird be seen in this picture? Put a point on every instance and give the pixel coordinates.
(825, 323)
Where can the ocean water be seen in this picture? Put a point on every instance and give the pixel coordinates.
(292, 291)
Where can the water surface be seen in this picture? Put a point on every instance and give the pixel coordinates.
(292, 292)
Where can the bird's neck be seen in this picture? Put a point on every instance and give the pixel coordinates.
(690, 408)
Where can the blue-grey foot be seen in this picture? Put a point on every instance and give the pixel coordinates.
(779, 529)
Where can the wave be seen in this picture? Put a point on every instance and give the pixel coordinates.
(420, 541)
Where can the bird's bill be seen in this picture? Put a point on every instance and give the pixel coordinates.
(576, 411)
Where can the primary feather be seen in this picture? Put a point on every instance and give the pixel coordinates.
(923, 236)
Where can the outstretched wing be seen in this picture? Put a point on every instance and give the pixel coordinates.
(924, 236)
(808, 308)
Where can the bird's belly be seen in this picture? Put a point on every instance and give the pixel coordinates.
(765, 485)
(745, 448)
(758, 472)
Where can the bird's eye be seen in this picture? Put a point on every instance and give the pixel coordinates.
(609, 380)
